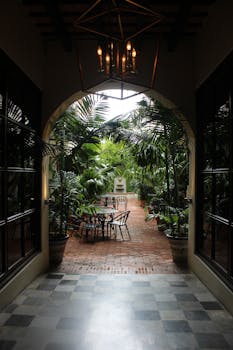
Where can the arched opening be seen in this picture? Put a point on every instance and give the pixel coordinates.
(190, 189)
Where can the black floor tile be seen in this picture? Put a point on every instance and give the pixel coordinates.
(211, 305)
(55, 276)
(185, 297)
(196, 315)
(178, 284)
(47, 287)
(176, 326)
(19, 320)
(10, 308)
(68, 282)
(7, 344)
(57, 346)
(212, 341)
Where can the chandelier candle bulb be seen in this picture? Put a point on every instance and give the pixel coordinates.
(128, 46)
(134, 54)
(99, 53)
(112, 53)
(123, 63)
(107, 60)
(117, 60)
(128, 54)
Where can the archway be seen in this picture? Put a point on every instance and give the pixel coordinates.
(155, 95)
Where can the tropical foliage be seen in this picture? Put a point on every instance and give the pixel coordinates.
(159, 145)
(147, 147)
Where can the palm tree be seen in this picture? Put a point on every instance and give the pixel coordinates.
(75, 135)
(158, 143)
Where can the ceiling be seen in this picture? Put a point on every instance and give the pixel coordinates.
(86, 19)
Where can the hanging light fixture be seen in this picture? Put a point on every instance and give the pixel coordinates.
(116, 51)
(116, 59)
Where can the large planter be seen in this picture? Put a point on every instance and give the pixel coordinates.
(179, 249)
(57, 246)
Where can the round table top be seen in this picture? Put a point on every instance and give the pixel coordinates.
(105, 210)
(109, 195)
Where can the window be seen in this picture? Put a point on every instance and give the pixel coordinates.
(215, 172)
(19, 169)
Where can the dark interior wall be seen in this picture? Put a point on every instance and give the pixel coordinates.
(174, 76)
(55, 71)
(215, 40)
(21, 41)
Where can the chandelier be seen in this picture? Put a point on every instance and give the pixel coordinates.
(116, 25)
(116, 59)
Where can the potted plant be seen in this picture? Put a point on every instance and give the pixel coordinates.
(174, 223)
(143, 192)
(177, 233)
(65, 199)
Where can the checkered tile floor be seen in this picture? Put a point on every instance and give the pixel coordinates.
(112, 312)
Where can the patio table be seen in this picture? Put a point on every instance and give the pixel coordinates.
(102, 213)
(108, 196)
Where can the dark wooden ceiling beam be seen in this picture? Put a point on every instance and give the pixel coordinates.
(56, 17)
(178, 27)
(39, 14)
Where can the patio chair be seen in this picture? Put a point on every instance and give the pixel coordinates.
(91, 228)
(121, 200)
(75, 225)
(119, 221)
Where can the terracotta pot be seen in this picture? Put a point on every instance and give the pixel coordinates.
(56, 249)
(179, 248)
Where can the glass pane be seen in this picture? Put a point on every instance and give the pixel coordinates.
(1, 103)
(14, 112)
(205, 242)
(29, 234)
(222, 135)
(207, 192)
(29, 190)
(208, 146)
(29, 150)
(1, 197)
(222, 244)
(14, 197)
(1, 249)
(14, 241)
(1, 141)
(222, 203)
(14, 141)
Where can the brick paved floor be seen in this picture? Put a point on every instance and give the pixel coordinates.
(147, 252)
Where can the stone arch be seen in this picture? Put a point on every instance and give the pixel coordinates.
(191, 145)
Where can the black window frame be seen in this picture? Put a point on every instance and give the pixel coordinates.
(20, 108)
(212, 94)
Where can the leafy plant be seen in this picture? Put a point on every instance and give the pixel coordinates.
(65, 197)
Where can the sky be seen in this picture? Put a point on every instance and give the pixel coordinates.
(122, 106)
